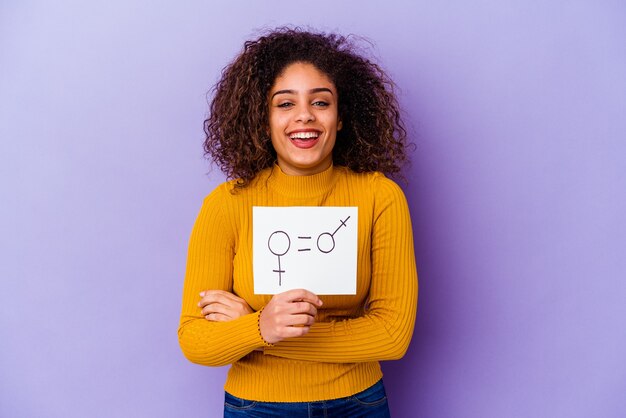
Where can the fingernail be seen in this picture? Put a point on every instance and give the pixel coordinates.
(202, 293)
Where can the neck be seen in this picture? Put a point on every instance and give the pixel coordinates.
(302, 185)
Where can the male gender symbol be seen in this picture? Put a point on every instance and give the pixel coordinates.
(326, 240)
(278, 244)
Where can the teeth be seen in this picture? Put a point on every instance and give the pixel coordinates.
(304, 135)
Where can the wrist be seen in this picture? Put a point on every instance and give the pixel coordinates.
(265, 342)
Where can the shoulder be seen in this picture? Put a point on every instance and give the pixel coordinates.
(220, 194)
(376, 182)
(229, 192)
(219, 211)
(387, 195)
(384, 186)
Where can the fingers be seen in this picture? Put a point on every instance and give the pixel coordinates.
(301, 320)
(293, 332)
(220, 293)
(288, 314)
(279, 308)
(277, 328)
(224, 303)
(301, 295)
(218, 308)
(217, 317)
(219, 296)
(301, 308)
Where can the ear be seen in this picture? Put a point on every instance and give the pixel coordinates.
(339, 125)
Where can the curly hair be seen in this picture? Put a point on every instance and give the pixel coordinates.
(373, 137)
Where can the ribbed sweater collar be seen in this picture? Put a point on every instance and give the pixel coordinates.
(302, 186)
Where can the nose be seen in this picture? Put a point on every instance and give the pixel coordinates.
(305, 115)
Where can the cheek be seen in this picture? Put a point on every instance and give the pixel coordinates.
(334, 125)
(276, 138)
(276, 124)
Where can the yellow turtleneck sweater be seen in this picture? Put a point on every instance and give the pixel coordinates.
(339, 355)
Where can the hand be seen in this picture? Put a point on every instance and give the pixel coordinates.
(288, 314)
(222, 306)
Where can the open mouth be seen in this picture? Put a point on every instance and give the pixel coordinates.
(305, 139)
(304, 136)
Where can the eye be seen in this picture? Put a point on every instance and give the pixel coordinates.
(285, 104)
(320, 103)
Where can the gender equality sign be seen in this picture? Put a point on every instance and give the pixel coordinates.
(305, 247)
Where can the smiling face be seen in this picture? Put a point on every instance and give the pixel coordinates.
(303, 119)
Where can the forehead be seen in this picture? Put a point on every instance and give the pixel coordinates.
(302, 75)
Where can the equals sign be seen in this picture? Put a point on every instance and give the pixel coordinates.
(304, 249)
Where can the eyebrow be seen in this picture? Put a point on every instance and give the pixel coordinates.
(312, 91)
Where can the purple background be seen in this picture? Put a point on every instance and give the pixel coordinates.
(518, 110)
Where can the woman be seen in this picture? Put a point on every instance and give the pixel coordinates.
(300, 119)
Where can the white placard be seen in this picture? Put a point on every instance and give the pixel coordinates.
(305, 247)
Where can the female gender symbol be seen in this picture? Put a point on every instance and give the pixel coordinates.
(278, 244)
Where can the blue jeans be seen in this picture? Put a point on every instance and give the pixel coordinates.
(371, 403)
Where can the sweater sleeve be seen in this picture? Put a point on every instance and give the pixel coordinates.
(210, 266)
(384, 331)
